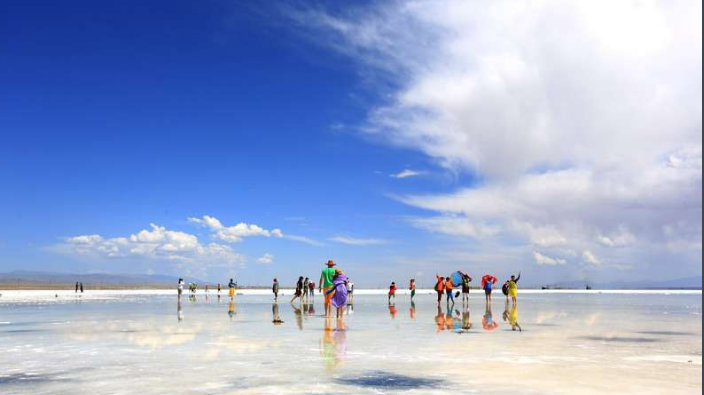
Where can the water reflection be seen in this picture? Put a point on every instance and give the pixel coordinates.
(231, 309)
(392, 310)
(179, 310)
(466, 319)
(488, 320)
(299, 316)
(440, 320)
(334, 343)
(513, 319)
(275, 312)
(412, 311)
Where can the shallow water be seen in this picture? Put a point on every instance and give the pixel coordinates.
(149, 344)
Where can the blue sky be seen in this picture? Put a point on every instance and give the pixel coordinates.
(285, 116)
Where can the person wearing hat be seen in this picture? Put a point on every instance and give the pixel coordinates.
(326, 286)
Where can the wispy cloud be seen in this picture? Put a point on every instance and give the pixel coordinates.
(406, 173)
(266, 259)
(303, 239)
(357, 241)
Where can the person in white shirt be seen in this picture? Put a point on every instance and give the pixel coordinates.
(181, 283)
(350, 290)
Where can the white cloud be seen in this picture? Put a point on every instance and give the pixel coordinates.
(582, 119)
(545, 260)
(458, 226)
(621, 237)
(590, 258)
(157, 243)
(236, 233)
(406, 174)
(266, 259)
(357, 242)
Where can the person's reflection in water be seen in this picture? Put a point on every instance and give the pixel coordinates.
(506, 312)
(488, 322)
(392, 310)
(440, 320)
(449, 320)
(412, 310)
(179, 310)
(231, 309)
(350, 309)
(192, 298)
(275, 312)
(334, 343)
(311, 309)
(299, 316)
(513, 319)
(466, 319)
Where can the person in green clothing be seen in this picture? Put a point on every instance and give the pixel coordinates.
(326, 286)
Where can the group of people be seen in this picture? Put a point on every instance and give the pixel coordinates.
(338, 292)
(193, 287)
(79, 286)
(336, 287)
(446, 286)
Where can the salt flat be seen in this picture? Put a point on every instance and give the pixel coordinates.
(124, 342)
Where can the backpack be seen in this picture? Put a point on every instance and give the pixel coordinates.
(437, 287)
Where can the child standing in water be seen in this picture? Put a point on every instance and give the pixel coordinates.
(448, 290)
(412, 287)
(392, 291)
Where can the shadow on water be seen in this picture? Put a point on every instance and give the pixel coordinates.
(380, 379)
(620, 339)
(667, 333)
(24, 378)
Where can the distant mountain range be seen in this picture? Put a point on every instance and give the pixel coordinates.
(694, 282)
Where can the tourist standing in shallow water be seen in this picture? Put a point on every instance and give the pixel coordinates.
(339, 299)
(513, 288)
(275, 290)
(325, 285)
(448, 291)
(488, 282)
(412, 288)
(306, 281)
(180, 286)
(440, 287)
(231, 288)
(299, 289)
(392, 291)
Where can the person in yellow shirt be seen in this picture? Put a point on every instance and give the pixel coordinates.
(513, 287)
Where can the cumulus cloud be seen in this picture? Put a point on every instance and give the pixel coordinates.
(541, 259)
(266, 259)
(233, 234)
(156, 243)
(406, 173)
(357, 242)
(583, 119)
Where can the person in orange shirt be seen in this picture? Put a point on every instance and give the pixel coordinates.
(448, 291)
(440, 287)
